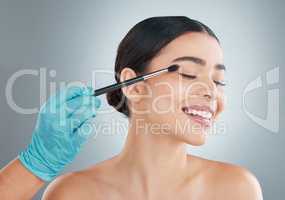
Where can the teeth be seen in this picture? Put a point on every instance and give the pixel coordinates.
(204, 114)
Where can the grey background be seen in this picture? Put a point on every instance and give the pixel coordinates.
(75, 38)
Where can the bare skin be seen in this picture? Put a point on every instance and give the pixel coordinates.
(16, 182)
(213, 180)
(154, 163)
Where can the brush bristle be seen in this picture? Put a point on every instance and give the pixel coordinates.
(173, 68)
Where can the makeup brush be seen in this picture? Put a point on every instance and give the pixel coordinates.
(116, 86)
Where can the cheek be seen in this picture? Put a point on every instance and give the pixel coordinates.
(163, 101)
(163, 97)
(166, 95)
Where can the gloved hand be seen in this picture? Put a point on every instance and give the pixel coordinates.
(63, 126)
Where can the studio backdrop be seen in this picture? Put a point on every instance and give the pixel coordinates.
(46, 43)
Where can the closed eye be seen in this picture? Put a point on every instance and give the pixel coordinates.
(220, 83)
(188, 76)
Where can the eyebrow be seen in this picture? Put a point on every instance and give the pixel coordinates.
(198, 61)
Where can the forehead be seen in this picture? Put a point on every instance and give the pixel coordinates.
(194, 44)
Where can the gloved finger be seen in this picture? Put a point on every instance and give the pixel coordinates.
(80, 116)
(72, 92)
(82, 133)
(76, 103)
(75, 91)
(64, 116)
(64, 95)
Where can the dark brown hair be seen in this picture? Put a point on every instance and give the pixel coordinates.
(143, 42)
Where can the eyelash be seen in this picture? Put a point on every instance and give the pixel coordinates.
(192, 77)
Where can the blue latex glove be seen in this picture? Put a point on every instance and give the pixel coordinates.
(63, 126)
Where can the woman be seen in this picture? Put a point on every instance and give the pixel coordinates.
(165, 114)
(154, 163)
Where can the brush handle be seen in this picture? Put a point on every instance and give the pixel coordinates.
(117, 86)
(131, 81)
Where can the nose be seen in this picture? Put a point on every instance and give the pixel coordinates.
(206, 89)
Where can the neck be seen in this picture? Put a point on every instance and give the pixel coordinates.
(151, 158)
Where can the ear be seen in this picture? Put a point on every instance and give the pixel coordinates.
(135, 91)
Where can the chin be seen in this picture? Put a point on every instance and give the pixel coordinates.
(191, 136)
(197, 142)
(195, 139)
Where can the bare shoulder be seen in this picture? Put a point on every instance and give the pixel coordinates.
(84, 184)
(68, 186)
(231, 181)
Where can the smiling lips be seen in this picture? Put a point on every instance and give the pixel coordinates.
(199, 114)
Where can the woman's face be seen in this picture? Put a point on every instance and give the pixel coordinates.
(183, 106)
